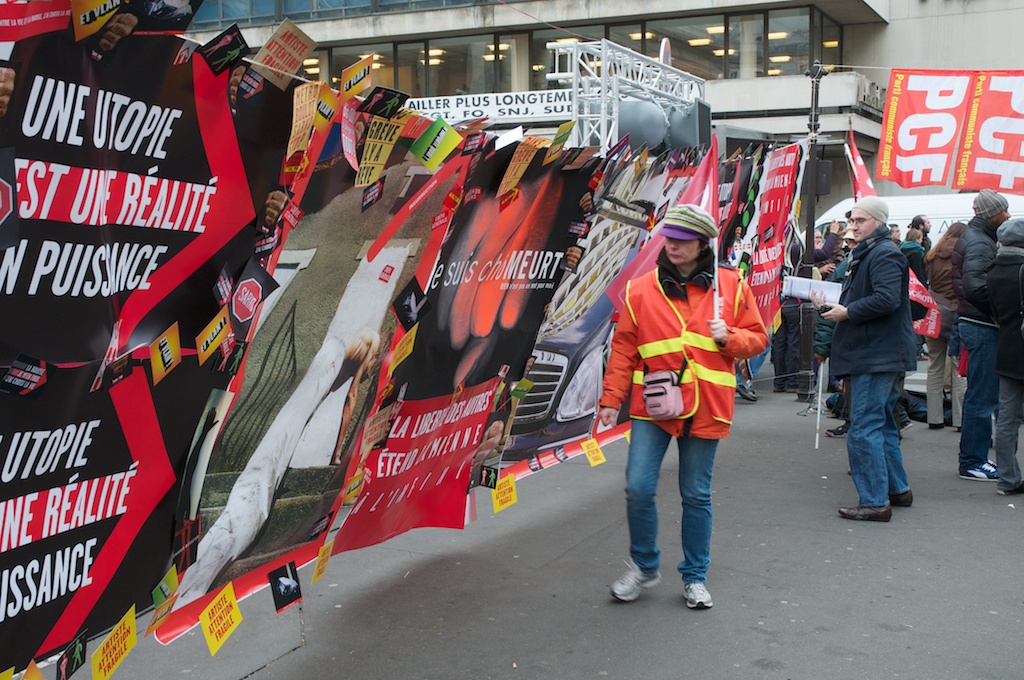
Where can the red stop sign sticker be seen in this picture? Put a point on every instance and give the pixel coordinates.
(246, 298)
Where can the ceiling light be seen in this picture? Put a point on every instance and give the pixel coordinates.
(376, 57)
(716, 30)
(501, 46)
(777, 35)
(830, 44)
(435, 52)
(775, 71)
(311, 61)
(780, 59)
(721, 52)
(538, 67)
(313, 70)
(699, 42)
(638, 35)
(376, 65)
(432, 62)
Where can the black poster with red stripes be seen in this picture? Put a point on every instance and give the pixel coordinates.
(131, 201)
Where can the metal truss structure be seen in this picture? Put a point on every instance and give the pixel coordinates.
(603, 73)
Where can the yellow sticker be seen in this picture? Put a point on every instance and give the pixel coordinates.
(115, 647)
(322, 558)
(594, 453)
(357, 77)
(403, 349)
(7, 674)
(220, 618)
(561, 137)
(210, 338)
(165, 353)
(629, 436)
(164, 596)
(380, 140)
(504, 494)
(32, 672)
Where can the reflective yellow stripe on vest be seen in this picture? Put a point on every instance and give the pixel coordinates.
(638, 377)
(651, 349)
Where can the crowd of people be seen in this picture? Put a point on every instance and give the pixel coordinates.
(974, 358)
(974, 274)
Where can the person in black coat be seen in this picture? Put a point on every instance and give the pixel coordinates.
(972, 259)
(873, 344)
(1006, 290)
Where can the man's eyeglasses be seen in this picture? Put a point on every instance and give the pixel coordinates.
(858, 220)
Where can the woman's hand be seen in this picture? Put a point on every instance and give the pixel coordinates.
(719, 331)
(608, 415)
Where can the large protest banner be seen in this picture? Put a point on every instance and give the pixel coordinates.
(216, 335)
(130, 198)
(771, 226)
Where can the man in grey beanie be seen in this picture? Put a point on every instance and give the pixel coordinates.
(872, 346)
(1005, 282)
(972, 259)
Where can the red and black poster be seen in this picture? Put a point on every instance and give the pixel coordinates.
(130, 200)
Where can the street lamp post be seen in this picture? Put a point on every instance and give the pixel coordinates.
(806, 390)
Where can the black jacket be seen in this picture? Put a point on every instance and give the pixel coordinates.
(1004, 286)
(972, 258)
(878, 336)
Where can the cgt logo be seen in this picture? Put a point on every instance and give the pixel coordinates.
(246, 299)
(6, 200)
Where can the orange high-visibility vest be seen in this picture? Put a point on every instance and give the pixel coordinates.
(669, 331)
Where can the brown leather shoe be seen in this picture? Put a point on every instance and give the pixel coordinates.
(880, 514)
(902, 500)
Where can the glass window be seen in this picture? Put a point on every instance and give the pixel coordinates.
(208, 11)
(463, 65)
(746, 46)
(235, 9)
(630, 36)
(789, 42)
(541, 56)
(515, 70)
(264, 8)
(410, 69)
(831, 42)
(698, 44)
(314, 67)
(383, 62)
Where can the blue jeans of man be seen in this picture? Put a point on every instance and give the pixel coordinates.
(982, 395)
(873, 442)
(648, 443)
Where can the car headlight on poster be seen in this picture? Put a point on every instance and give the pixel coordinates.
(580, 397)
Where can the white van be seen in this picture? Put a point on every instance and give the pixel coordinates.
(942, 209)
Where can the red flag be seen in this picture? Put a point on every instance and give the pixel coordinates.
(930, 325)
(703, 191)
(924, 111)
(991, 152)
(862, 185)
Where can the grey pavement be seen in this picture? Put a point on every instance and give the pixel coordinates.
(798, 591)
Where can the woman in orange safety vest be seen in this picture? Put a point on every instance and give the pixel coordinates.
(669, 323)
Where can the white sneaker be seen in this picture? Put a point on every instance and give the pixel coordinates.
(633, 582)
(697, 596)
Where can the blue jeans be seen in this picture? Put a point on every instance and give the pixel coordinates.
(982, 395)
(648, 443)
(873, 442)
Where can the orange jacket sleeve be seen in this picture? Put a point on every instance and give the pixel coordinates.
(747, 334)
